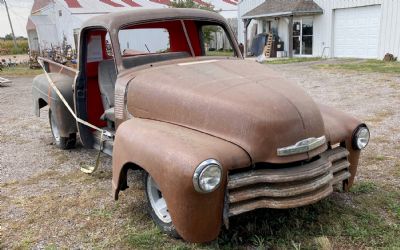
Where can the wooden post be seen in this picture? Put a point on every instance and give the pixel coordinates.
(246, 23)
(290, 36)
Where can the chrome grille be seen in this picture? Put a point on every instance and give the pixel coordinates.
(289, 186)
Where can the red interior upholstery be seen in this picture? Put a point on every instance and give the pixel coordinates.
(194, 36)
(178, 43)
(94, 104)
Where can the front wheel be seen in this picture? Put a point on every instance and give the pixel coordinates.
(158, 207)
(61, 142)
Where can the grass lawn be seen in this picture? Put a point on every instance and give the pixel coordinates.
(7, 47)
(293, 60)
(375, 66)
(19, 71)
(219, 53)
(368, 216)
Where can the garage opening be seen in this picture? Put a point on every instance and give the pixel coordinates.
(356, 32)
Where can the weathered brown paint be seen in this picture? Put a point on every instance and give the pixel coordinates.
(170, 153)
(252, 107)
(172, 116)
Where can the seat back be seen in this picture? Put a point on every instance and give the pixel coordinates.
(107, 77)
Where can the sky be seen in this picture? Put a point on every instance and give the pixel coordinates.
(19, 12)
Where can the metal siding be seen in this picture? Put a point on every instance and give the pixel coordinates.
(243, 7)
(393, 29)
(396, 45)
(389, 36)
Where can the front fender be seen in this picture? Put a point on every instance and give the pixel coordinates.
(170, 154)
(44, 95)
(339, 128)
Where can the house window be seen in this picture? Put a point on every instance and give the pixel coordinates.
(303, 36)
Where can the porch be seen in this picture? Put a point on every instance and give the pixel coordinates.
(287, 24)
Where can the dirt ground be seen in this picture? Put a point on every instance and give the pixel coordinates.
(46, 202)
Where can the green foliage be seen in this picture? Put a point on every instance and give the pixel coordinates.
(190, 4)
(363, 187)
(369, 218)
(144, 239)
(19, 71)
(293, 60)
(7, 47)
(8, 37)
(226, 53)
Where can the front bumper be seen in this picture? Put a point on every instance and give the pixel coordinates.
(287, 186)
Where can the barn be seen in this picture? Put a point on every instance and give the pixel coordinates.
(324, 28)
(56, 23)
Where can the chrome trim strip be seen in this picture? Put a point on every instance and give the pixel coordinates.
(302, 146)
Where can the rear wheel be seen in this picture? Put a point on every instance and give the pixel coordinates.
(158, 207)
(61, 142)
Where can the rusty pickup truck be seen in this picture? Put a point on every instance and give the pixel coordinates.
(215, 135)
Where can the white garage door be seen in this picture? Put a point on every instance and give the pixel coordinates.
(356, 32)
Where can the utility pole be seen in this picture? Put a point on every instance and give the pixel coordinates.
(9, 19)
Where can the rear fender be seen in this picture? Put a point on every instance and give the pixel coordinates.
(170, 154)
(44, 95)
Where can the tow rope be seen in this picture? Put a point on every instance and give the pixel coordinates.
(104, 133)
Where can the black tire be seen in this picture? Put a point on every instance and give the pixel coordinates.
(167, 228)
(59, 141)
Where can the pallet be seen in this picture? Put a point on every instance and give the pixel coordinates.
(4, 80)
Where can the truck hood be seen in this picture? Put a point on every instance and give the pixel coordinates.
(240, 101)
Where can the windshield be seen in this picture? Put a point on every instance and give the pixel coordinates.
(167, 40)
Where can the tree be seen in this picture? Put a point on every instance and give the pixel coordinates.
(190, 4)
(8, 37)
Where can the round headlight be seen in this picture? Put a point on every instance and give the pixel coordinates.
(361, 137)
(207, 176)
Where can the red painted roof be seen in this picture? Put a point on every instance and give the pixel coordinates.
(39, 4)
(111, 3)
(30, 25)
(73, 4)
(131, 3)
(201, 2)
(165, 2)
(233, 2)
(108, 6)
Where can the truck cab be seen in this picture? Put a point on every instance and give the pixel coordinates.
(108, 54)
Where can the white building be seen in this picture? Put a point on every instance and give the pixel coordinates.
(54, 22)
(327, 28)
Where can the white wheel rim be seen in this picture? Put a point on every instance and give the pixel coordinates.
(54, 129)
(157, 201)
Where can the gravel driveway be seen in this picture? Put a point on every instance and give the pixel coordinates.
(45, 201)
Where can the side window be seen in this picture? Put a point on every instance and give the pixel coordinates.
(108, 46)
(215, 41)
(98, 46)
(143, 41)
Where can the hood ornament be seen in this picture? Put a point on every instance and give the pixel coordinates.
(302, 146)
